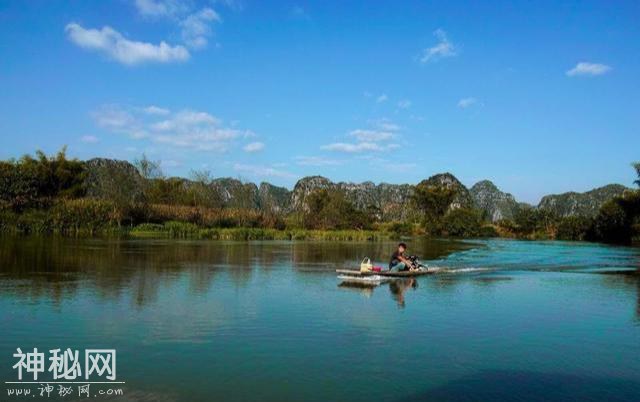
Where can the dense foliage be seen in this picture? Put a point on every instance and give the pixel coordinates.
(32, 182)
(54, 194)
(329, 209)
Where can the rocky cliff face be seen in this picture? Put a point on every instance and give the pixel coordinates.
(584, 204)
(462, 197)
(494, 204)
(389, 201)
(273, 198)
(267, 197)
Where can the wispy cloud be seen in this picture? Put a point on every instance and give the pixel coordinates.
(382, 98)
(186, 128)
(196, 28)
(89, 139)
(316, 161)
(262, 171)
(444, 48)
(404, 104)
(386, 125)
(253, 147)
(161, 8)
(588, 69)
(371, 135)
(373, 139)
(115, 46)
(195, 24)
(466, 102)
(156, 110)
(352, 148)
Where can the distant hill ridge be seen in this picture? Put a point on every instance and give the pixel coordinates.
(389, 201)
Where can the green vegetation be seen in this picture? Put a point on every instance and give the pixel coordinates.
(329, 209)
(42, 195)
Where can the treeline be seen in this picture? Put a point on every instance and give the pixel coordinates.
(617, 221)
(55, 194)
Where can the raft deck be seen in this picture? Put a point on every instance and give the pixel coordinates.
(400, 274)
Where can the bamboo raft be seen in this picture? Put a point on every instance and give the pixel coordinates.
(400, 274)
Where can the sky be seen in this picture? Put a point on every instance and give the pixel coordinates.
(539, 97)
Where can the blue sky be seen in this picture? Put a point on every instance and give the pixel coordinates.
(540, 97)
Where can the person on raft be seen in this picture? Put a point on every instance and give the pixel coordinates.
(398, 262)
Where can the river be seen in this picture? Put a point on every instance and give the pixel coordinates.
(270, 321)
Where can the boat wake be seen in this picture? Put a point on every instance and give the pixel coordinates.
(449, 270)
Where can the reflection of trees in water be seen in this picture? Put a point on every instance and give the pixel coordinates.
(58, 268)
(625, 280)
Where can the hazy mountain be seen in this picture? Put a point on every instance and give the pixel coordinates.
(389, 201)
(462, 197)
(494, 204)
(586, 204)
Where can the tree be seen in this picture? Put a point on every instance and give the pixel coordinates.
(147, 168)
(462, 222)
(612, 224)
(329, 209)
(202, 192)
(433, 202)
(636, 166)
(573, 228)
(120, 187)
(31, 182)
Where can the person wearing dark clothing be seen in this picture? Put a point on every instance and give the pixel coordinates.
(398, 262)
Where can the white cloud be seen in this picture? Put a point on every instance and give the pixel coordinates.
(376, 139)
(371, 135)
(404, 104)
(386, 125)
(89, 139)
(352, 148)
(116, 119)
(115, 46)
(185, 119)
(382, 98)
(196, 27)
(156, 110)
(184, 129)
(316, 161)
(588, 69)
(160, 8)
(253, 147)
(444, 48)
(262, 171)
(466, 102)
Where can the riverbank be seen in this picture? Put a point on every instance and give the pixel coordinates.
(181, 230)
(55, 195)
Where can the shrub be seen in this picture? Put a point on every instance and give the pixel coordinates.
(400, 228)
(462, 222)
(330, 210)
(573, 228)
(82, 215)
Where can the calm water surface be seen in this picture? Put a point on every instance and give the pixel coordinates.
(269, 321)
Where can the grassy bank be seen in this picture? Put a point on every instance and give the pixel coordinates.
(97, 222)
(182, 230)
